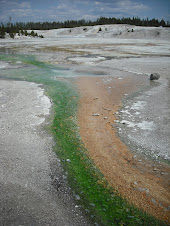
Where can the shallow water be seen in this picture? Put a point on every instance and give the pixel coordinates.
(28, 68)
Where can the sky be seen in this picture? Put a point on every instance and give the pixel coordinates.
(61, 10)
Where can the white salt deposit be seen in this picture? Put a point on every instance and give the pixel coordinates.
(138, 105)
(3, 65)
(125, 112)
(86, 59)
(144, 125)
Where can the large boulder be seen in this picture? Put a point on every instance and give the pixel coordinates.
(154, 76)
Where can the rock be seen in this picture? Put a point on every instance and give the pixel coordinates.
(92, 204)
(131, 217)
(100, 29)
(96, 224)
(95, 114)
(77, 197)
(153, 200)
(168, 208)
(154, 76)
(116, 120)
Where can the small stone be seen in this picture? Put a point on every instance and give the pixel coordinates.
(96, 224)
(167, 208)
(153, 200)
(77, 197)
(91, 204)
(154, 76)
(68, 160)
(154, 169)
(95, 114)
(147, 190)
(116, 120)
(105, 117)
(64, 177)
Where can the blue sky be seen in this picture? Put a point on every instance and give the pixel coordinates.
(60, 10)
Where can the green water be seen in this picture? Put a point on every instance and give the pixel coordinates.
(31, 69)
(100, 202)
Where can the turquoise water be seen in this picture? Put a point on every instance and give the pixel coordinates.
(26, 67)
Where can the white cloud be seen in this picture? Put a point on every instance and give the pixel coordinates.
(69, 9)
(89, 17)
(62, 6)
(128, 5)
(97, 3)
(14, 9)
(26, 5)
(121, 6)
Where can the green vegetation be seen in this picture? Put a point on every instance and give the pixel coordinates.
(99, 200)
(13, 29)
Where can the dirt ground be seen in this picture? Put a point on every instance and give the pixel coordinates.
(133, 177)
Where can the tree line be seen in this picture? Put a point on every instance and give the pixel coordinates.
(16, 28)
(21, 28)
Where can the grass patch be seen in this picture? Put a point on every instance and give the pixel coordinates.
(90, 187)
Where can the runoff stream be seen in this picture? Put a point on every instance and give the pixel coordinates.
(33, 184)
(39, 187)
